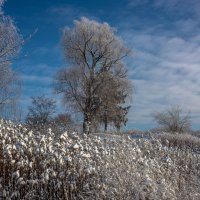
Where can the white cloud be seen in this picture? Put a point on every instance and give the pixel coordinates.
(165, 71)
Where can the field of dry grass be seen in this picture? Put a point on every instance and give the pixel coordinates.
(72, 166)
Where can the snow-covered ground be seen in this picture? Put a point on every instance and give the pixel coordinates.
(71, 166)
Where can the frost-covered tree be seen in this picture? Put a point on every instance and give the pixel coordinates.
(96, 57)
(173, 120)
(10, 43)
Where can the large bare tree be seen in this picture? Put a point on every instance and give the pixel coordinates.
(10, 43)
(96, 57)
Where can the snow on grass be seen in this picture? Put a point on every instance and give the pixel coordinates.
(71, 166)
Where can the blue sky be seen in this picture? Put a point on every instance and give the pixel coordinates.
(164, 36)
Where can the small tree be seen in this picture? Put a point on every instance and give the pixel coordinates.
(41, 111)
(63, 122)
(172, 120)
(95, 55)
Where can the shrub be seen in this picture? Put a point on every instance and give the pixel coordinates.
(172, 120)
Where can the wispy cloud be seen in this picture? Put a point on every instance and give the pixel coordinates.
(179, 7)
(66, 11)
(165, 70)
(37, 79)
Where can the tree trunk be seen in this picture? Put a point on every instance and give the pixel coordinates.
(118, 129)
(105, 123)
(86, 125)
